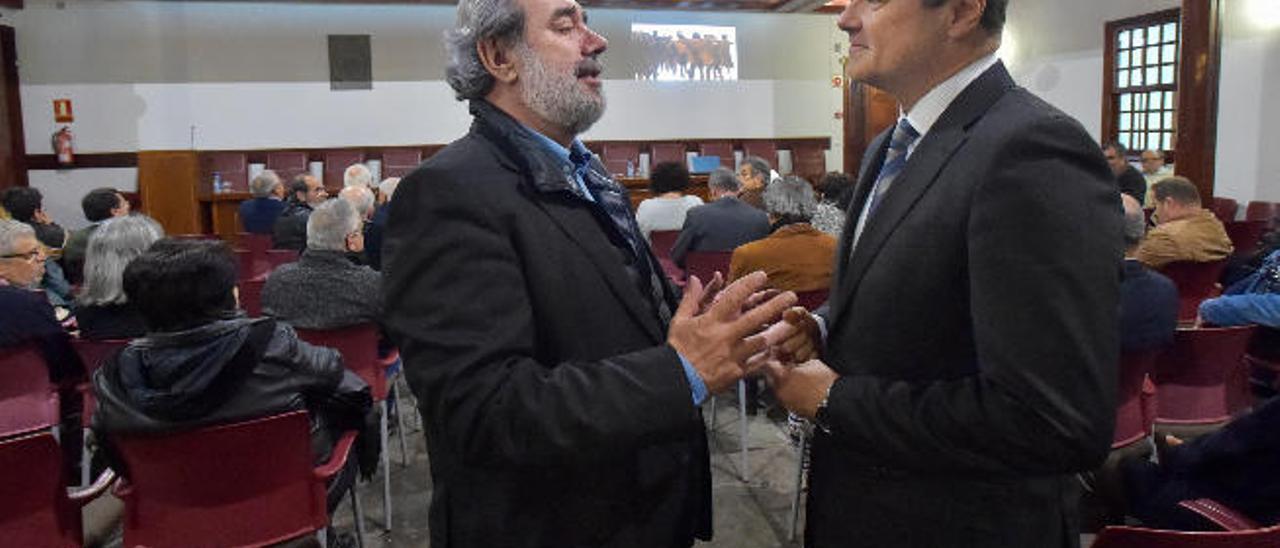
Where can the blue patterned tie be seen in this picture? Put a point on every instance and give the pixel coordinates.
(895, 160)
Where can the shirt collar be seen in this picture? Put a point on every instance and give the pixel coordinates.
(929, 108)
(577, 155)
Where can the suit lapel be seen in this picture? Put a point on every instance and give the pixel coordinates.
(922, 170)
(871, 162)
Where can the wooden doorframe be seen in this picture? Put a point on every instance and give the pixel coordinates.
(13, 103)
(1197, 140)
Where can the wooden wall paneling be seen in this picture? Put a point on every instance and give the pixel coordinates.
(1198, 70)
(233, 167)
(666, 152)
(867, 112)
(809, 162)
(336, 163)
(13, 149)
(398, 162)
(616, 155)
(287, 164)
(723, 149)
(766, 149)
(168, 182)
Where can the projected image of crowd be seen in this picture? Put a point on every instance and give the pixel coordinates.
(684, 56)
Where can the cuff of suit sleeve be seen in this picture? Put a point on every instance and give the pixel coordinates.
(696, 386)
(822, 327)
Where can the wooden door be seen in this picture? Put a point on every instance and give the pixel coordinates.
(867, 112)
(13, 150)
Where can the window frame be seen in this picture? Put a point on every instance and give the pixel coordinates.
(1111, 92)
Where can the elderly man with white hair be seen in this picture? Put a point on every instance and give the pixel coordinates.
(324, 290)
(362, 199)
(258, 214)
(28, 316)
(357, 175)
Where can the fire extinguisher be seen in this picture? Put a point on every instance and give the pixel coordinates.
(64, 145)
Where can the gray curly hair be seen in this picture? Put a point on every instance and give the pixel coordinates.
(479, 20)
(790, 198)
(111, 248)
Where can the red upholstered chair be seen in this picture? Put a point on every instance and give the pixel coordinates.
(358, 345)
(813, 299)
(287, 164)
(194, 236)
(1245, 235)
(28, 400)
(661, 242)
(233, 167)
(249, 483)
(398, 162)
(1238, 532)
(92, 354)
(1201, 378)
(258, 244)
(1132, 423)
(1196, 282)
(667, 152)
(1262, 211)
(704, 264)
(764, 149)
(1225, 209)
(251, 265)
(36, 511)
(616, 155)
(251, 295)
(336, 163)
(1263, 359)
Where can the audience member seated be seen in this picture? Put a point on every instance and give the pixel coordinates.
(1235, 466)
(290, 230)
(1253, 300)
(1186, 231)
(203, 364)
(26, 205)
(373, 246)
(837, 192)
(667, 208)
(722, 225)
(258, 214)
(358, 175)
(362, 199)
(1128, 179)
(323, 290)
(753, 175)
(1148, 299)
(796, 256)
(98, 205)
(102, 309)
(27, 315)
(1240, 266)
(1154, 171)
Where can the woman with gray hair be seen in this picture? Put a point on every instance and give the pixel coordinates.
(796, 256)
(102, 310)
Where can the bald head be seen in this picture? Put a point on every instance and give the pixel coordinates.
(360, 197)
(1135, 222)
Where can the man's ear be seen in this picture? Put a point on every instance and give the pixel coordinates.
(966, 17)
(497, 60)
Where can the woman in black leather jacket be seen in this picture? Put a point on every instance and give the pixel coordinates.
(203, 363)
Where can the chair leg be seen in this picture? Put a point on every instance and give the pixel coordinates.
(742, 413)
(801, 454)
(404, 448)
(358, 510)
(85, 459)
(386, 468)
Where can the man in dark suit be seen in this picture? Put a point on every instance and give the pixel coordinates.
(258, 215)
(722, 225)
(1128, 179)
(969, 368)
(559, 382)
(290, 230)
(1148, 299)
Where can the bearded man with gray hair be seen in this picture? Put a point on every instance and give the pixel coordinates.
(559, 381)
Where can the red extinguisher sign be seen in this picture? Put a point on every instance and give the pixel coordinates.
(62, 113)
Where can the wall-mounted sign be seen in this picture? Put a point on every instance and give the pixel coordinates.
(837, 81)
(62, 111)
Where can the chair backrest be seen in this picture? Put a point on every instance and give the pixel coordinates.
(34, 509)
(667, 152)
(399, 162)
(813, 298)
(358, 345)
(257, 244)
(1262, 211)
(28, 400)
(243, 484)
(1138, 537)
(704, 264)
(1201, 379)
(1131, 423)
(277, 257)
(93, 353)
(661, 242)
(251, 295)
(1245, 235)
(1225, 209)
(1195, 281)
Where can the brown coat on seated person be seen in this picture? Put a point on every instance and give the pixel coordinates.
(1186, 231)
(796, 256)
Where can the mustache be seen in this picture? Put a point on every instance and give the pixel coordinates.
(589, 67)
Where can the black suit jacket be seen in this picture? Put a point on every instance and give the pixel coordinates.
(975, 331)
(1148, 308)
(556, 414)
(722, 225)
(1132, 182)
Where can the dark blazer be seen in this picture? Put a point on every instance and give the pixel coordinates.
(556, 414)
(975, 331)
(1148, 308)
(290, 229)
(721, 225)
(258, 215)
(28, 317)
(1132, 182)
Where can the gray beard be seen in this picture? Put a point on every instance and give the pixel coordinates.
(557, 98)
